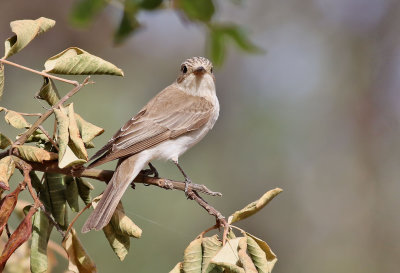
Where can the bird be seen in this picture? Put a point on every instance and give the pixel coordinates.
(167, 126)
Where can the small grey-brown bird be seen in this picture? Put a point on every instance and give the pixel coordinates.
(173, 121)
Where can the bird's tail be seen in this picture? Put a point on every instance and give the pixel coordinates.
(123, 176)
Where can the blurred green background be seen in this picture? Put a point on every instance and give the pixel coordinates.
(318, 116)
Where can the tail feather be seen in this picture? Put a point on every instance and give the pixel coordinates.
(123, 176)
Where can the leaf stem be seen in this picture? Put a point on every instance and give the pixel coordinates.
(44, 74)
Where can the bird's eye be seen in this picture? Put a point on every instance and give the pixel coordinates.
(184, 69)
(211, 70)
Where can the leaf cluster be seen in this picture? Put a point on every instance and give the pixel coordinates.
(200, 12)
(244, 254)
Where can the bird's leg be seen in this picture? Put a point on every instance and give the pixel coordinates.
(151, 171)
(187, 179)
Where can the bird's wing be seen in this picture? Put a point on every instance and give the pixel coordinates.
(168, 115)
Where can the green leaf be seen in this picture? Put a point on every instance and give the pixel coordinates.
(201, 10)
(37, 136)
(119, 230)
(48, 92)
(30, 153)
(79, 260)
(244, 258)
(1, 79)
(177, 268)
(26, 31)
(75, 61)
(84, 189)
(57, 189)
(150, 4)
(4, 141)
(16, 120)
(84, 11)
(219, 36)
(126, 27)
(211, 246)
(192, 257)
(261, 254)
(87, 130)
(72, 194)
(254, 207)
(76, 142)
(40, 237)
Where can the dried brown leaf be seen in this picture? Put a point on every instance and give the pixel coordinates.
(244, 258)
(254, 207)
(30, 153)
(48, 92)
(4, 141)
(7, 205)
(79, 260)
(20, 235)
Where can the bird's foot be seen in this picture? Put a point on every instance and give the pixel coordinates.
(151, 171)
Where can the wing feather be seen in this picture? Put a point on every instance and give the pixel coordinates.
(168, 115)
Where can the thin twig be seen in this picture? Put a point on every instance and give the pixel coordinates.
(76, 218)
(8, 231)
(21, 140)
(50, 138)
(44, 74)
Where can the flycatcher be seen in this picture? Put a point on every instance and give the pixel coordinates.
(173, 121)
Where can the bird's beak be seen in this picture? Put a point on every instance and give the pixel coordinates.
(199, 71)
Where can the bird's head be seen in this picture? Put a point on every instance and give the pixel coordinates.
(196, 77)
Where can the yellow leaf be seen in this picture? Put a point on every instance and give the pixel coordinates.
(79, 260)
(87, 130)
(48, 92)
(261, 254)
(254, 207)
(16, 120)
(192, 257)
(211, 246)
(26, 31)
(7, 167)
(75, 61)
(30, 153)
(76, 142)
(4, 141)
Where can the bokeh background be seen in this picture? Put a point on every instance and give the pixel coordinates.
(317, 115)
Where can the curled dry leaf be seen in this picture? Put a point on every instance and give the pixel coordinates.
(57, 190)
(62, 136)
(16, 120)
(26, 31)
(254, 207)
(84, 189)
(244, 258)
(48, 92)
(228, 257)
(79, 260)
(34, 154)
(75, 61)
(119, 230)
(261, 254)
(211, 246)
(4, 141)
(72, 194)
(7, 205)
(87, 130)
(7, 167)
(20, 236)
(192, 257)
(76, 142)
(40, 237)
